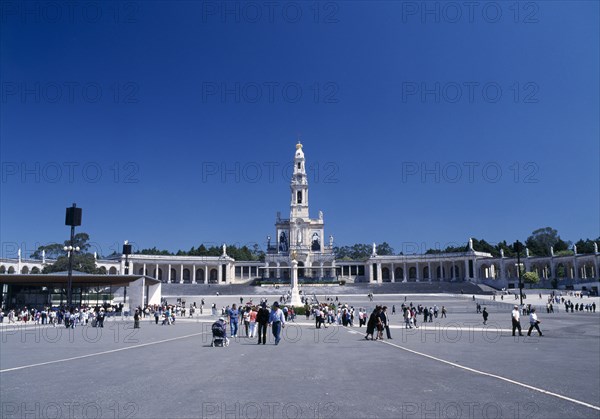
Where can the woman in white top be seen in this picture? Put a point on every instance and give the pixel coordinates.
(533, 322)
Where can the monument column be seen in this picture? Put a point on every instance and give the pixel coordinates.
(169, 274)
(193, 274)
(295, 293)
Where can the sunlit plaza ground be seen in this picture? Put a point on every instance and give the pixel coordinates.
(454, 367)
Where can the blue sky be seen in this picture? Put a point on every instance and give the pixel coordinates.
(423, 124)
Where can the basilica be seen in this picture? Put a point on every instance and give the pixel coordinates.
(300, 239)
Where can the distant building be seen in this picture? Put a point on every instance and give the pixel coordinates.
(303, 238)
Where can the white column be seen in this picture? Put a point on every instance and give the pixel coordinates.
(156, 275)
(193, 274)
(278, 271)
(441, 271)
(145, 271)
(452, 271)
(169, 274)
(418, 279)
(206, 274)
(405, 274)
(370, 272)
(219, 273)
(429, 271)
(294, 282)
(130, 268)
(379, 279)
(322, 270)
(393, 273)
(467, 269)
(181, 274)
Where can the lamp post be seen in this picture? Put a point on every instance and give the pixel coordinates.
(73, 219)
(517, 247)
(70, 250)
(126, 252)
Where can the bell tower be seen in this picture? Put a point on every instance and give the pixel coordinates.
(300, 251)
(299, 187)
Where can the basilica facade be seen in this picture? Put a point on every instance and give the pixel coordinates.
(302, 239)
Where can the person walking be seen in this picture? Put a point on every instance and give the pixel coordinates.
(136, 319)
(252, 319)
(277, 321)
(516, 320)
(485, 315)
(234, 316)
(246, 321)
(533, 322)
(262, 318)
(385, 320)
(372, 323)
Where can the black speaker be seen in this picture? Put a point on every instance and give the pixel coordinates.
(73, 217)
(126, 249)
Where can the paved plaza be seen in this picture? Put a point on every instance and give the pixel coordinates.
(454, 367)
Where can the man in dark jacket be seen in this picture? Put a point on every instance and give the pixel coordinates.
(385, 320)
(262, 318)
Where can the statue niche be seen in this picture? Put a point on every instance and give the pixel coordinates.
(315, 243)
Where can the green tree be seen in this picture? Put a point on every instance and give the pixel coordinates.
(81, 262)
(384, 249)
(153, 251)
(509, 250)
(587, 246)
(531, 278)
(55, 250)
(542, 239)
(483, 246)
(356, 251)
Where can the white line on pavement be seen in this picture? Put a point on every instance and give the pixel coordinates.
(487, 374)
(99, 353)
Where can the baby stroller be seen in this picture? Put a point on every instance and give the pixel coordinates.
(219, 334)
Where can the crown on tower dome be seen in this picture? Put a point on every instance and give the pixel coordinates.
(299, 145)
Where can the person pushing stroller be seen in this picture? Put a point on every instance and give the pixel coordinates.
(219, 333)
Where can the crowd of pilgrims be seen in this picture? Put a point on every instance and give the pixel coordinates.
(324, 313)
(70, 318)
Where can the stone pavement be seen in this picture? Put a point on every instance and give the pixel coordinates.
(451, 368)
